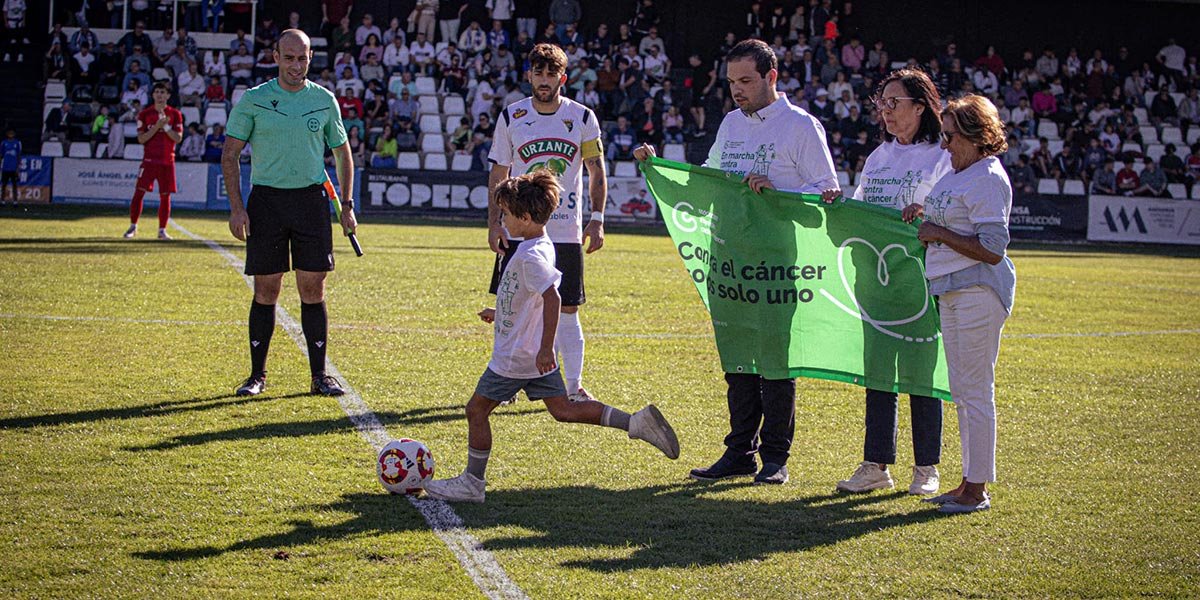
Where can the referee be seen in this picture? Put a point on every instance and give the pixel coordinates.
(288, 121)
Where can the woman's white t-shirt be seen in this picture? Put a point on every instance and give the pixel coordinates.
(979, 194)
(896, 175)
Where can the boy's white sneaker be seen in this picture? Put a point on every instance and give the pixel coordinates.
(925, 481)
(650, 425)
(868, 476)
(464, 488)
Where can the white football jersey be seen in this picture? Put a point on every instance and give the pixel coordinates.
(526, 140)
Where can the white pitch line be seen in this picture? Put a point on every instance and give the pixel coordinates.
(1038, 336)
(479, 563)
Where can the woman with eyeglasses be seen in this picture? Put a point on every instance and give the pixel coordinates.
(966, 235)
(899, 174)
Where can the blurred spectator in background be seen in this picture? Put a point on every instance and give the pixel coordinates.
(214, 144)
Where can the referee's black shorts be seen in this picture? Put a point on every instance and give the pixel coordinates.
(568, 259)
(288, 221)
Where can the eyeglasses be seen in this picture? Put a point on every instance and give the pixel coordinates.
(890, 103)
(947, 136)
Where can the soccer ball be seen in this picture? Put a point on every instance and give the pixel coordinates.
(404, 466)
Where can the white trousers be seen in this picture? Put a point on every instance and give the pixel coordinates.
(972, 319)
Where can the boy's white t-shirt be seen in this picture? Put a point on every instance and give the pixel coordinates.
(896, 175)
(980, 193)
(782, 141)
(519, 305)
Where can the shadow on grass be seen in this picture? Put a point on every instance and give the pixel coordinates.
(94, 245)
(679, 525)
(291, 429)
(156, 409)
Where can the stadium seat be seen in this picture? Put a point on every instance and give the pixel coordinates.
(624, 168)
(433, 142)
(134, 152)
(52, 149)
(426, 86)
(1131, 147)
(674, 152)
(1155, 151)
(428, 104)
(129, 129)
(1149, 97)
(237, 94)
(460, 162)
(409, 160)
(1055, 146)
(108, 94)
(454, 105)
(1141, 115)
(1177, 190)
(320, 61)
(450, 124)
(101, 149)
(215, 115)
(55, 92)
(1193, 134)
(435, 161)
(430, 122)
(843, 179)
(1172, 135)
(46, 111)
(159, 74)
(1073, 187)
(1047, 129)
(191, 114)
(80, 150)
(82, 94)
(1149, 134)
(1048, 186)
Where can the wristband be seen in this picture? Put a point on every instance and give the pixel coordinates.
(348, 204)
(597, 217)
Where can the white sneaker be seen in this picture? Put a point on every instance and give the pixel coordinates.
(129, 233)
(925, 481)
(868, 476)
(581, 395)
(464, 488)
(650, 425)
(162, 234)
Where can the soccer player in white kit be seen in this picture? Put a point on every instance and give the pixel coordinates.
(549, 131)
(773, 144)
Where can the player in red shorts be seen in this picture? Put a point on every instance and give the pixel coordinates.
(160, 127)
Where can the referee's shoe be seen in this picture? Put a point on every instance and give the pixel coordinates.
(326, 385)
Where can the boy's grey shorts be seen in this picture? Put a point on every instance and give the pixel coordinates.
(499, 388)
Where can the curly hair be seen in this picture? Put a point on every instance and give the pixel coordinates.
(979, 121)
(549, 56)
(533, 194)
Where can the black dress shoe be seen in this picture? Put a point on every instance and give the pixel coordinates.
(771, 474)
(725, 467)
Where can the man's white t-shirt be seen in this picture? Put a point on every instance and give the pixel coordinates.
(1173, 57)
(980, 193)
(896, 175)
(526, 140)
(502, 10)
(781, 141)
(519, 304)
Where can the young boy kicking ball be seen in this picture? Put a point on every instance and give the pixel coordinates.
(526, 319)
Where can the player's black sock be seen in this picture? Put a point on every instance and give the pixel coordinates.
(315, 322)
(262, 325)
(477, 461)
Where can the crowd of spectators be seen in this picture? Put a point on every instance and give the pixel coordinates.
(1091, 115)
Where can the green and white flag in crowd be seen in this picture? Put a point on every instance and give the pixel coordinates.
(798, 288)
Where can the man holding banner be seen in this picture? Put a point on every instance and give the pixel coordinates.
(772, 144)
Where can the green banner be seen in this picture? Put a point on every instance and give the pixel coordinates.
(798, 288)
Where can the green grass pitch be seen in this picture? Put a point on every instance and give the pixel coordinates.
(130, 470)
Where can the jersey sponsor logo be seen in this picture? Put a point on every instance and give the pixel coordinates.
(557, 150)
(570, 124)
(520, 112)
